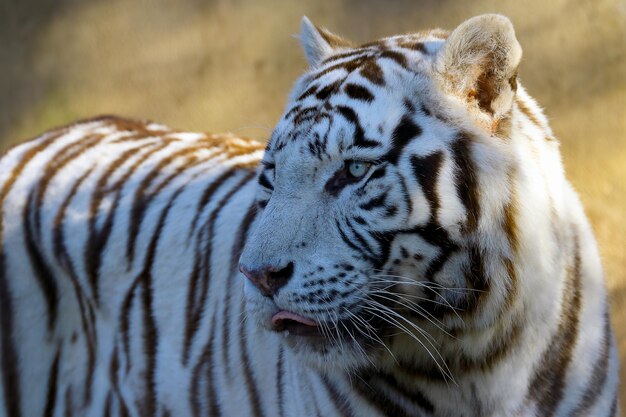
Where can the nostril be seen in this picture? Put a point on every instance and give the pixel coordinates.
(283, 275)
(268, 279)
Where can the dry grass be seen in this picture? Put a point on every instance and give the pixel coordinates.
(227, 66)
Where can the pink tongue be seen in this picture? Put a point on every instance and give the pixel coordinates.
(288, 315)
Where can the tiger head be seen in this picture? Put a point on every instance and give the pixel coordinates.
(376, 235)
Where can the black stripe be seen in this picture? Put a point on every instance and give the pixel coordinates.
(376, 202)
(378, 399)
(395, 56)
(309, 91)
(113, 369)
(150, 332)
(9, 358)
(359, 135)
(599, 373)
(251, 385)
(94, 248)
(358, 92)
(403, 133)
(339, 402)
(372, 72)
(426, 171)
(264, 181)
(56, 164)
(364, 243)
(10, 373)
(142, 199)
(348, 242)
(466, 179)
(53, 376)
(43, 272)
(235, 254)
(205, 199)
(548, 383)
(280, 383)
(194, 310)
(324, 92)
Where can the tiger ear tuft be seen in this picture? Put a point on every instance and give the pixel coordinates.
(479, 62)
(319, 43)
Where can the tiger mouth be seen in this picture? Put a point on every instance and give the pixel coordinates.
(286, 321)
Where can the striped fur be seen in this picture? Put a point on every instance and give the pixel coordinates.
(457, 276)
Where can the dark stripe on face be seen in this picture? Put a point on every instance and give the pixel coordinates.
(358, 92)
(413, 45)
(395, 56)
(348, 242)
(548, 384)
(376, 202)
(466, 180)
(264, 181)
(308, 92)
(323, 93)
(348, 54)
(347, 66)
(426, 171)
(372, 72)
(362, 241)
(404, 132)
(378, 172)
(359, 135)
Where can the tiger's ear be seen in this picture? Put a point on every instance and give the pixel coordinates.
(319, 43)
(479, 63)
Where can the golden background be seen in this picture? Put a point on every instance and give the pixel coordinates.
(227, 66)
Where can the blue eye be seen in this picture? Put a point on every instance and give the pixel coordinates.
(357, 169)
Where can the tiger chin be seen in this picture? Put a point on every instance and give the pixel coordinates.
(405, 244)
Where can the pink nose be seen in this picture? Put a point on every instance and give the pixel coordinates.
(268, 279)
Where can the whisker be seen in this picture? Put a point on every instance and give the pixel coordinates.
(433, 321)
(394, 322)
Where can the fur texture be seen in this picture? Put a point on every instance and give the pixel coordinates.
(411, 202)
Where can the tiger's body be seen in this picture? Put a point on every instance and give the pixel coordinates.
(412, 247)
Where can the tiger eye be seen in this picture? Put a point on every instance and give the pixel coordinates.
(357, 169)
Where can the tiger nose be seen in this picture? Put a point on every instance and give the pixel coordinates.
(268, 279)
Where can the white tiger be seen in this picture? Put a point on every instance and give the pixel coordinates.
(412, 248)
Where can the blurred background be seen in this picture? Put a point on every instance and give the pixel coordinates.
(217, 65)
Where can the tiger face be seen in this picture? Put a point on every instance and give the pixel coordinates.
(369, 192)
